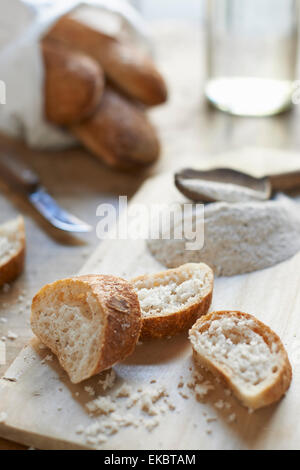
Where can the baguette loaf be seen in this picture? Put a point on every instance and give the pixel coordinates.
(128, 68)
(12, 249)
(245, 353)
(119, 133)
(172, 300)
(89, 322)
(73, 85)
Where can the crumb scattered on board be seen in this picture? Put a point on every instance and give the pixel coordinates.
(122, 405)
(11, 335)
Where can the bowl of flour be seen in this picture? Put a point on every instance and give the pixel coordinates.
(238, 237)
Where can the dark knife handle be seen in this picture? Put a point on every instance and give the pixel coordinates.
(15, 173)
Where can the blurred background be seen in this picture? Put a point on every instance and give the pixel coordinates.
(192, 10)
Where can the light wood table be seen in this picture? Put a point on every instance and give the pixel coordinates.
(189, 129)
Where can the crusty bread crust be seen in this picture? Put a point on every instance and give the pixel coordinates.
(13, 267)
(170, 325)
(119, 133)
(276, 389)
(129, 69)
(73, 85)
(121, 307)
(162, 326)
(120, 312)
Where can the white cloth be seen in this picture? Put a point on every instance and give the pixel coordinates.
(22, 23)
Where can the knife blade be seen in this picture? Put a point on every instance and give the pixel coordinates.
(20, 177)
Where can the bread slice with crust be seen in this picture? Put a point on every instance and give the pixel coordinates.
(90, 322)
(245, 353)
(172, 300)
(12, 249)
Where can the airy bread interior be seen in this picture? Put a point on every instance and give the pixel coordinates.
(235, 345)
(173, 290)
(11, 239)
(69, 320)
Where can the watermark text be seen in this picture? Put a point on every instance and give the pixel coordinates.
(174, 221)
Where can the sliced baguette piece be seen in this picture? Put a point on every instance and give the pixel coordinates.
(119, 133)
(245, 353)
(126, 66)
(172, 300)
(89, 322)
(12, 249)
(73, 86)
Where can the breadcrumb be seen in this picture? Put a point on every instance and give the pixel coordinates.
(201, 390)
(231, 418)
(124, 391)
(90, 391)
(79, 429)
(12, 336)
(109, 380)
(219, 404)
(101, 405)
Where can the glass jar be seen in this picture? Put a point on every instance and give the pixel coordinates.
(251, 55)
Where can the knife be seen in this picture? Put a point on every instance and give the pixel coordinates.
(25, 181)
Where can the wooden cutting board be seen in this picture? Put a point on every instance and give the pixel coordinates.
(43, 408)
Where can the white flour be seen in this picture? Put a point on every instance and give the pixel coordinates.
(239, 238)
(217, 191)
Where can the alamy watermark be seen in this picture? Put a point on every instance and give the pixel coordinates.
(156, 221)
(2, 92)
